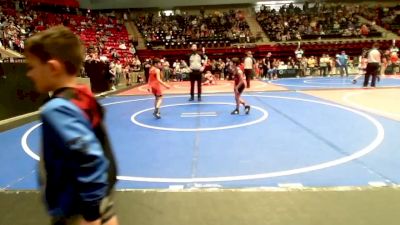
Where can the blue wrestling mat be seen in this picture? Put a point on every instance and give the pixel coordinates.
(288, 138)
(309, 83)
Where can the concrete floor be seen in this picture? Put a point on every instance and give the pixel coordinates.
(358, 206)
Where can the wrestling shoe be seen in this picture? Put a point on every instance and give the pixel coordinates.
(235, 112)
(157, 115)
(247, 109)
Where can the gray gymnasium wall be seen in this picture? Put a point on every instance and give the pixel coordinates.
(163, 4)
(17, 92)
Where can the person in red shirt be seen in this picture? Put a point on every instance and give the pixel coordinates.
(155, 83)
(239, 86)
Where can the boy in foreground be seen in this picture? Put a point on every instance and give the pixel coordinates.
(77, 165)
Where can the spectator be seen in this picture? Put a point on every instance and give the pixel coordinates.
(342, 61)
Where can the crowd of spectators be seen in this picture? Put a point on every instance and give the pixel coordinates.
(386, 17)
(291, 23)
(274, 66)
(103, 34)
(109, 47)
(206, 29)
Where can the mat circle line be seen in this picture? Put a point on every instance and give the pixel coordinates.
(262, 118)
(358, 154)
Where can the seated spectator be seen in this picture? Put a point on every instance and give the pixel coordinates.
(364, 30)
(215, 28)
(282, 66)
(209, 78)
(122, 46)
(330, 21)
(104, 58)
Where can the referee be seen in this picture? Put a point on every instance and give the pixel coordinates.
(248, 67)
(374, 61)
(196, 68)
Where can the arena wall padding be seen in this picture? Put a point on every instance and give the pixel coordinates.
(17, 92)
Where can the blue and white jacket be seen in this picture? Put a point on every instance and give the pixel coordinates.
(77, 164)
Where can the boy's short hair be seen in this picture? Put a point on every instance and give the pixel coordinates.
(156, 60)
(58, 43)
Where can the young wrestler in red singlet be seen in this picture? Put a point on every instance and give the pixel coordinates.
(239, 86)
(155, 83)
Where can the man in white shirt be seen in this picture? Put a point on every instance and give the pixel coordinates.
(299, 56)
(374, 61)
(299, 53)
(323, 65)
(166, 70)
(248, 67)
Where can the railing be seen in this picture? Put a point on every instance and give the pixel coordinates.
(281, 49)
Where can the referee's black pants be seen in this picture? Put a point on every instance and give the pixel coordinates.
(194, 76)
(371, 70)
(248, 73)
